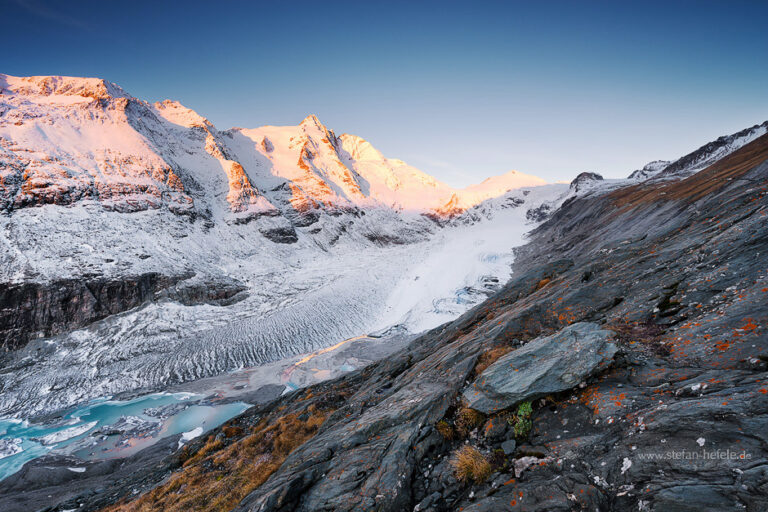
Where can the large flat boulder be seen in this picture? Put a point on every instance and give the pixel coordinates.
(543, 366)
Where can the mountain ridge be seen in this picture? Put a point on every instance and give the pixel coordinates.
(318, 169)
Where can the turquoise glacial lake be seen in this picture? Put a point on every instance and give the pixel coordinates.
(106, 428)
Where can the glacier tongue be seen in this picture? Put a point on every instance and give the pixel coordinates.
(467, 262)
(301, 297)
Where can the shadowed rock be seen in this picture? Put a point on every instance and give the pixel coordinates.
(32, 309)
(585, 180)
(544, 366)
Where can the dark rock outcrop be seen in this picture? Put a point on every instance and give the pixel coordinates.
(585, 180)
(542, 367)
(281, 235)
(31, 309)
(540, 213)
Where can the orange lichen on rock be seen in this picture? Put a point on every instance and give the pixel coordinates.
(489, 357)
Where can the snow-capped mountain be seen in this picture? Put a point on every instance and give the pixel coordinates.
(649, 170)
(703, 157)
(141, 245)
(65, 140)
(591, 183)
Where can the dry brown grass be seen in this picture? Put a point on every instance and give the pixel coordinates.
(217, 478)
(231, 431)
(467, 420)
(445, 429)
(469, 464)
(489, 357)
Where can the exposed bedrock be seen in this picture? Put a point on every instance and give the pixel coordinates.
(281, 234)
(542, 367)
(32, 309)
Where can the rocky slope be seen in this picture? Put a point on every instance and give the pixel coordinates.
(703, 157)
(667, 279)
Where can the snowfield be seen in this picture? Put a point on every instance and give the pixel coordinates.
(300, 298)
(466, 262)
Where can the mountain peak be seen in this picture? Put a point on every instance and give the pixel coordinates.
(96, 88)
(311, 120)
(359, 148)
(585, 180)
(177, 113)
(498, 185)
(509, 175)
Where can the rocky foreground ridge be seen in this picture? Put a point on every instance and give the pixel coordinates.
(665, 281)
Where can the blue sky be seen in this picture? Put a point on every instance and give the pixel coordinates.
(462, 90)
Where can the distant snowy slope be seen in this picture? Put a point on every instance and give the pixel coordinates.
(703, 157)
(649, 170)
(496, 186)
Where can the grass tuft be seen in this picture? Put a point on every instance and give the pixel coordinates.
(445, 429)
(467, 420)
(231, 431)
(470, 465)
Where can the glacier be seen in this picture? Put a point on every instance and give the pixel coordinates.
(147, 248)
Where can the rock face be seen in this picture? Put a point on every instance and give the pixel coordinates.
(542, 367)
(46, 309)
(585, 180)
